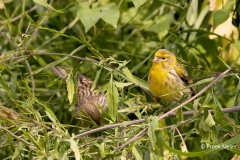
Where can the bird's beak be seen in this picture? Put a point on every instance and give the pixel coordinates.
(155, 59)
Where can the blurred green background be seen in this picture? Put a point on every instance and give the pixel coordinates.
(36, 120)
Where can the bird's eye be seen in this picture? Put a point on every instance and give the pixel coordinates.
(163, 58)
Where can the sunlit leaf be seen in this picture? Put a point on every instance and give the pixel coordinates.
(70, 88)
(209, 120)
(151, 130)
(52, 83)
(88, 17)
(18, 149)
(192, 13)
(75, 148)
(136, 150)
(204, 81)
(221, 16)
(41, 2)
(122, 85)
(138, 3)
(129, 75)
(110, 14)
(112, 99)
(96, 79)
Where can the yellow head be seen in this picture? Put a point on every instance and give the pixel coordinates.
(165, 58)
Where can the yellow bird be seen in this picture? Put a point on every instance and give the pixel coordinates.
(167, 79)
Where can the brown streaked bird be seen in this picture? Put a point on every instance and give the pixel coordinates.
(88, 100)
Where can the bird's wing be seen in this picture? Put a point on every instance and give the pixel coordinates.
(182, 73)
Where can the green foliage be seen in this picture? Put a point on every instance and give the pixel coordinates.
(112, 42)
(89, 17)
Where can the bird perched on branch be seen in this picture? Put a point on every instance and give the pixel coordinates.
(88, 100)
(167, 79)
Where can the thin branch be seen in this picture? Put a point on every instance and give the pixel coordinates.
(144, 133)
(110, 126)
(59, 54)
(21, 15)
(136, 137)
(17, 137)
(190, 113)
(5, 36)
(179, 123)
(214, 75)
(180, 135)
(186, 113)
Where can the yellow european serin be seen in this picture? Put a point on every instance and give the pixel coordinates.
(167, 79)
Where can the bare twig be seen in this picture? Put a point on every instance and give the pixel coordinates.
(136, 137)
(179, 123)
(59, 54)
(186, 113)
(189, 113)
(109, 126)
(180, 135)
(19, 138)
(21, 15)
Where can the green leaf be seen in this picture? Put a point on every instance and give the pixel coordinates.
(179, 114)
(201, 153)
(203, 81)
(96, 79)
(137, 152)
(151, 131)
(154, 154)
(129, 75)
(237, 44)
(112, 99)
(222, 15)
(122, 85)
(18, 149)
(41, 2)
(138, 3)
(110, 14)
(51, 116)
(161, 26)
(218, 113)
(70, 88)
(192, 13)
(52, 83)
(75, 148)
(88, 17)
(55, 63)
(141, 83)
(209, 121)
